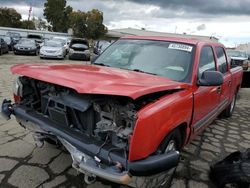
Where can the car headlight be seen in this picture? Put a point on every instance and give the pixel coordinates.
(71, 50)
(18, 87)
(59, 51)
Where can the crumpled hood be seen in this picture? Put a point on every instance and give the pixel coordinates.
(94, 79)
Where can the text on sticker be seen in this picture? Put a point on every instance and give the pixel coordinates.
(182, 47)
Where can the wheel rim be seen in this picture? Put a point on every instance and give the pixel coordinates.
(232, 104)
(171, 146)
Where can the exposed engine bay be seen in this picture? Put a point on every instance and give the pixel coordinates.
(106, 118)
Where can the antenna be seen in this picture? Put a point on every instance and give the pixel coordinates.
(30, 10)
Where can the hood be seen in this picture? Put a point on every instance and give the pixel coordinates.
(49, 48)
(24, 46)
(94, 79)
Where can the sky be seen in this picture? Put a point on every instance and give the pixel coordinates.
(228, 20)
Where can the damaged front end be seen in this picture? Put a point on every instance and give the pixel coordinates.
(95, 129)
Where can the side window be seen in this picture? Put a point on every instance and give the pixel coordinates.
(206, 60)
(222, 61)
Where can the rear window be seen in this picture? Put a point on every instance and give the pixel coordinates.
(222, 61)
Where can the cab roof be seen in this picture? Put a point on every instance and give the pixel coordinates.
(193, 41)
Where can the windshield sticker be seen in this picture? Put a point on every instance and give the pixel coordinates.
(182, 47)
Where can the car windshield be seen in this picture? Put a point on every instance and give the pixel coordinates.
(7, 39)
(53, 44)
(168, 59)
(234, 53)
(27, 42)
(60, 40)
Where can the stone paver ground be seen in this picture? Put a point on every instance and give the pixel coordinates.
(23, 165)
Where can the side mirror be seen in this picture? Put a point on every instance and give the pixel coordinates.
(211, 78)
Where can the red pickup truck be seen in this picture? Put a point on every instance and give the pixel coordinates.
(125, 117)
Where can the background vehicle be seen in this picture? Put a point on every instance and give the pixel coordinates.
(10, 42)
(3, 47)
(53, 49)
(100, 46)
(64, 40)
(239, 58)
(126, 117)
(38, 38)
(27, 46)
(15, 36)
(79, 49)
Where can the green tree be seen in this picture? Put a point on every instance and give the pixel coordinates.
(95, 26)
(9, 17)
(28, 24)
(57, 14)
(41, 24)
(88, 25)
(78, 23)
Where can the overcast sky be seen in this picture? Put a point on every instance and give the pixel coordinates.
(228, 20)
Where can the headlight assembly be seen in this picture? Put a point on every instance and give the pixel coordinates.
(18, 87)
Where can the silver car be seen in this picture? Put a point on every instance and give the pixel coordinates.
(53, 49)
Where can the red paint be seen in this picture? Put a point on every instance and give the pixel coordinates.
(155, 120)
(94, 79)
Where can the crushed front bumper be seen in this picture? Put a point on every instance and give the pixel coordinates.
(83, 149)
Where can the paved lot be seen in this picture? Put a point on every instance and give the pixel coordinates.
(24, 165)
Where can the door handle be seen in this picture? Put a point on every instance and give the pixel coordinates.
(219, 89)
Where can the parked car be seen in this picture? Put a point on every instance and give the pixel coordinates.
(53, 49)
(79, 49)
(3, 47)
(64, 40)
(38, 38)
(100, 46)
(239, 58)
(26, 47)
(15, 36)
(125, 117)
(10, 42)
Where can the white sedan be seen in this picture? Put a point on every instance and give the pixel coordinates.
(53, 49)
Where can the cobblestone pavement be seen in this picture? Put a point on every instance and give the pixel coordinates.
(24, 165)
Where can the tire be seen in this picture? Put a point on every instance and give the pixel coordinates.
(1, 52)
(228, 112)
(172, 142)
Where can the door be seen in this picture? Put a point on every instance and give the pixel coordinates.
(206, 98)
(224, 69)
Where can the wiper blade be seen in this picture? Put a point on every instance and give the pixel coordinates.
(101, 64)
(138, 70)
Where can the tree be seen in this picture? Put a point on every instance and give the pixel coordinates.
(28, 24)
(95, 27)
(78, 23)
(88, 25)
(41, 24)
(57, 13)
(9, 17)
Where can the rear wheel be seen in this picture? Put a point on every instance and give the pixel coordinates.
(228, 112)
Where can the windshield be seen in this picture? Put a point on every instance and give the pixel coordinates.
(234, 53)
(168, 59)
(7, 39)
(53, 44)
(27, 42)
